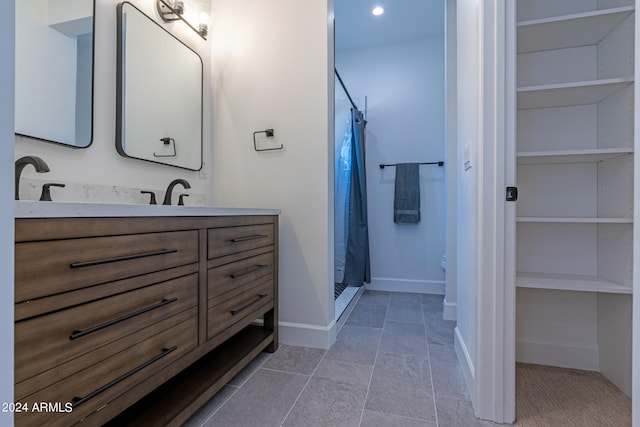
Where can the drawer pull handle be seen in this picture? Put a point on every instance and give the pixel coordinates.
(247, 305)
(77, 401)
(120, 258)
(78, 334)
(247, 271)
(253, 237)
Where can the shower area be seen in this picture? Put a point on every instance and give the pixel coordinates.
(351, 238)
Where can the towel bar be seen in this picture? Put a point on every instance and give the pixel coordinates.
(269, 134)
(382, 166)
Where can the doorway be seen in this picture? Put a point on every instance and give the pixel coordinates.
(393, 66)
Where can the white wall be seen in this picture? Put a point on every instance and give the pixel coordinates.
(467, 219)
(100, 165)
(404, 86)
(273, 69)
(7, 15)
(451, 105)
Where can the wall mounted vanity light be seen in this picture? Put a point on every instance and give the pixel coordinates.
(173, 10)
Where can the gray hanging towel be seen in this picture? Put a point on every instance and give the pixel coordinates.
(406, 203)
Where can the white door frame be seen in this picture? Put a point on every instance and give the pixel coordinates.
(496, 321)
(7, 48)
(495, 327)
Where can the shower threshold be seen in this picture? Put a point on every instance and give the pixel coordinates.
(344, 299)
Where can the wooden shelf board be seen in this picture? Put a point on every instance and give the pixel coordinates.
(572, 93)
(581, 29)
(176, 400)
(570, 156)
(574, 220)
(570, 282)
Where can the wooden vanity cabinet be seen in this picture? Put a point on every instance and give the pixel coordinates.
(138, 318)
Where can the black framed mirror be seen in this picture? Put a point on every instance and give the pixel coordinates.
(54, 71)
(159, 93)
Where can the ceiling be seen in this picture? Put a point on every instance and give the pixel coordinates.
(357, 27)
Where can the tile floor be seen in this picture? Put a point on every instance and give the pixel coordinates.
(393, 364)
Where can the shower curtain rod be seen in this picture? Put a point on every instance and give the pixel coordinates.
(345, 89)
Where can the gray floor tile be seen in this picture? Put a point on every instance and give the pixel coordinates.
(401, 385)
(432, 306)
(264, 400)
(298, 360)
(404, 338)
(405, 311)
(378, 419)
(443, 353)
(416, 363)
(206, 411)
(440, 331)
(371, 315)
(248, 370)
(458, 413)
(406, 296)
(432, 300)
(334, 396)
(448, 379)
(356, 344)
(375, 297)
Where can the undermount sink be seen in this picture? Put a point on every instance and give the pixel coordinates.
(37, 209)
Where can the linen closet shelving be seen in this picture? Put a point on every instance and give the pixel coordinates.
(575, 171)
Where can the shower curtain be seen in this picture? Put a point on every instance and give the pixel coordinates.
(343, 130)
(357, 270)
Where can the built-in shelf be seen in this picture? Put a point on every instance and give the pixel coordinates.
(574, 220)
(574, 127)
(580, 29)
(571, 156)
(570, 282)
(571, 93)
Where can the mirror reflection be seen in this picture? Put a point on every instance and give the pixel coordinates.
(54, 70)
(159, 117)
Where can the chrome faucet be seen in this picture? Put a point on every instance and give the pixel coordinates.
(167, 195)
(39, 164)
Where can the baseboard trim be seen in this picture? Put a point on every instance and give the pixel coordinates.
(406, 285)
(304, 335)
(562, 355)
(468, 370)
(450, 310)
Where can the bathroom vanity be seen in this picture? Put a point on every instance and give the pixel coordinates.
(138, 312)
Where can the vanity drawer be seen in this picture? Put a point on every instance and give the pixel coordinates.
(230, 276)
(50, 267)
(230, 240)
(223, 315)
(44, 342)
(94, 387)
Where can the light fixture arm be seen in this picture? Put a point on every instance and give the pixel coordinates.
(171, 13)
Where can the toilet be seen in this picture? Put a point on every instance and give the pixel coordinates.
(443, 263)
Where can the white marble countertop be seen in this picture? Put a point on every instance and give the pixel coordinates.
(33, 209)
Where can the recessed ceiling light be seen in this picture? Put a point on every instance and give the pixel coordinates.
(378, 10)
